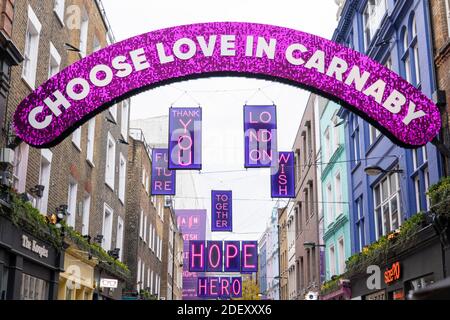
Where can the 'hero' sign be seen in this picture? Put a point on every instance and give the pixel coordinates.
(163, 179)
(283, 176)
(219, 287)
(222, 211)
(185, 140)
(260, 126)
(231, 256)
(76, 94)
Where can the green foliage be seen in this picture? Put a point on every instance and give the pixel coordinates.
(379, 250)
(331, 285)
(250, 290)
(440, 197)
(146, 295)
(23, 215)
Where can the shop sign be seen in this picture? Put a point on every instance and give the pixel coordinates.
(33, 246)
(393, 274)
(109, 283)
(80, 91)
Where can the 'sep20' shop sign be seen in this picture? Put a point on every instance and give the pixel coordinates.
(82, 90)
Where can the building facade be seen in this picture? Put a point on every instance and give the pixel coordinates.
(334, 179)
(262, 265)
(398, 35)
(272, 258)
(307, 250)
(291, 237)
(283, 253)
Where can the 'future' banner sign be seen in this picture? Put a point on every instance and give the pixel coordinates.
(163, 179)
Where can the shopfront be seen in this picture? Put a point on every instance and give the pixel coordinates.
(29, 265)
(77, 280)
(109, 282)
(405, 271)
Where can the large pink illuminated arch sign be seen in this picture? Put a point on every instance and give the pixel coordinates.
(100, 80)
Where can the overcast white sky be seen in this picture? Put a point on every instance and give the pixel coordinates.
(222, 126)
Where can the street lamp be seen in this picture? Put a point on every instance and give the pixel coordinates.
(376, 170)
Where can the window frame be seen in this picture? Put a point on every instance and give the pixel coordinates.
(31, 49)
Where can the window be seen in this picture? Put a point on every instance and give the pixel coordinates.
(90, 141)
(387, 205)
(144, 237)
(373, 134)
(415, 50)
(76, 138)
(138, 274)
(141, 225)
(113, 111)
(107, 227)
(119, 238)
(150, 236)
(297, 164)
(336, 134)
(154, 239)
(55, 61)
(110, 161)
(72, 204)
(31, 48)
(44, 179)
(388, 63)
(447, 8)
(426, 174)
(148, 278)
(143, 274)
(338, 194)
(327, 144)
(20, 167)
(144, 176)
(84, 32)
(86, 214)
(33, 288)
(59, 10)
(406, 60)
(355, 140)
(122, 178)
(360, 241)
(96, 44)
(330, 213)
(332, 261)
(160, 208)
(418, 194)
(373, 14)
(341, 255)
(124, 120)
(151, 283)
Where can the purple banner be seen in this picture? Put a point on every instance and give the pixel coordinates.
(260, 128)
(192, 224)
(185, 138)
(163, 179)
(249, 258)
(283, 176)
(222, 211)
(214, 262)
(232, 256)
(223, 287)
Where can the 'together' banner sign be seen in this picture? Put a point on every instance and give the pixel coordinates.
(260, 126)
(79, 92)
(185, 138)
(222, 211)
(283, 176)
(163, 179)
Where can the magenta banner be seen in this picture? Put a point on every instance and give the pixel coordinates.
(79, 92)
(219, 287)
(192, 224)
(260, 129)
(185, 138)
(283, 176)
(222, 211)
(163, 179)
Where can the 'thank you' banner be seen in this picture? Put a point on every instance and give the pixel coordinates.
(185, 138)
(283, 176)
(222, 211)
(163, 179)
(260, 126)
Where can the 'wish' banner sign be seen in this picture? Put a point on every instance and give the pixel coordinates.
(283, 176)
(185, 138)
(260, 126)
(163, 179)
(222, 211)
(82, 90)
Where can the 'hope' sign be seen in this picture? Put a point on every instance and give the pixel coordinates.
(222, 211)
(185, 129)
(223, 256)
(260, 125)
(223, 287)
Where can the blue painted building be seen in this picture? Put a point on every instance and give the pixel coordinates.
(334, 178)
(262, 261)
(398, 35)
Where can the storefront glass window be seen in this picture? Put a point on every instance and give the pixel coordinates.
(3, 282)
(33, 288)
(419, 283)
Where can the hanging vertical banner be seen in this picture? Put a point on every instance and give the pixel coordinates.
(222, 211)
(185, 139)
(283, 176)
(163, 179)
(260, 128)
(249, 257)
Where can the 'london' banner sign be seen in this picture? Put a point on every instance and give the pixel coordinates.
(79, 92)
